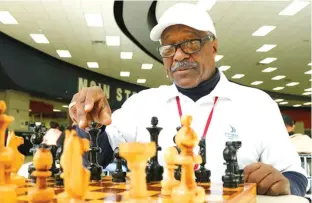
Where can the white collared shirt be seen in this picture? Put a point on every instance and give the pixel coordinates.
(241, 113)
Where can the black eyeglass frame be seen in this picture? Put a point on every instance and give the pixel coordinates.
(202, 40)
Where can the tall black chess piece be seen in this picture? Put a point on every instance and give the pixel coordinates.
(238, 172)
(118, 175)
(202, 174)
(154, 171)
(59, 152)
(230, 179)
(36, 139)
(94, 167)
(177, 171)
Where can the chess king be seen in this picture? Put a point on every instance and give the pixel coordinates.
(188, 46)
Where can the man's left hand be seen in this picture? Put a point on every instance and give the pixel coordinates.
(269, 180)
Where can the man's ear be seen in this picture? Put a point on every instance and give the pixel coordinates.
(215, 47)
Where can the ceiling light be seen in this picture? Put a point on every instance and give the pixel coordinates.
(269, 69)
(7, 18)
(308, 90)
(266, 47)
(126, 55)
(297, 105)
(39, 38)
(284, 102)
(307, 93)
(56, 110)
(65, 106)
(238, 76)
(218, 58)
(278, 88)
(293, 8)
(147, 66)
(264, 30)
(124, 74)
(310, 64)
(268, 60)
(93, 64)
(278, 100)
(141, 80)
(292, 84)
(224, 68)
(167, 76)
(307, 103)
(112, 40)
(256, 82)
(63, 53)
(94, 20)
(308, 72)
(278, 77)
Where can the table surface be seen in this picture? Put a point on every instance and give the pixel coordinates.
(281, 199)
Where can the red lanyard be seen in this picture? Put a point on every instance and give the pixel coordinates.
(209, 117)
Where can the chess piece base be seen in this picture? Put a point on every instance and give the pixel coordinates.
(182, 194)
(167, 186)
(119, 177)
(230, 181)
(8, 194)
(96, 172)
(203, 175)
(154, 173)
(41, 195)
(19, 181)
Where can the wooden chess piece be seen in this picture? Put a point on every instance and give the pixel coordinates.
(170, 182)
(7, 191)
(137, 155)
(154, 171)
(202, 174)
(118, 175)
(13, 142)
(42, 162)
(75, 176)
(95, 169)
(177, 171)
(187, 140)
(231, 178)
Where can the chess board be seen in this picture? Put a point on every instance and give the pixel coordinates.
(109, 192)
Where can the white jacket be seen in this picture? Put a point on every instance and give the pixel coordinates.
(241, 113)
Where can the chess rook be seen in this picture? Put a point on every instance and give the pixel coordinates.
(137, 155)
(231, 177)
(94, 167)
(118, 175)
(202, 174)
(154, 171)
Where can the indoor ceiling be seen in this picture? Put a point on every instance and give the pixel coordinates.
(64, 25)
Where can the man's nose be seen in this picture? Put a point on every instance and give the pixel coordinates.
(180, 55)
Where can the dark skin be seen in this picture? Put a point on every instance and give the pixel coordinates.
(91, 104)
(204, 58)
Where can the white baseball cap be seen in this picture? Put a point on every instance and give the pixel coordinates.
(186, 14)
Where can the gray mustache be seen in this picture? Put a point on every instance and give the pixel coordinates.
(184, 64)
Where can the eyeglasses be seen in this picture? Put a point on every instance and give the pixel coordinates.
(188, 47)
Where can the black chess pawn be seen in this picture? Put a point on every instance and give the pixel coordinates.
(118, 175)
(230, 179)
(95, 169)
(36, 139)
(202, 174)
(177, 171)
(154, 171)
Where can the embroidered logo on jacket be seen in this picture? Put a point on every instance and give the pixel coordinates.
(231, 134)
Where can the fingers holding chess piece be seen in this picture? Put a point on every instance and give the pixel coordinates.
(187, 140)
(118, 175)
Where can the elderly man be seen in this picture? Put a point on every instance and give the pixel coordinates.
(221, 110)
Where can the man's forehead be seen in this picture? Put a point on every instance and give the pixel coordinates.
(181, 29)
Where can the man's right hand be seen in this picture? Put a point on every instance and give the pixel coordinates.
(90, 105)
